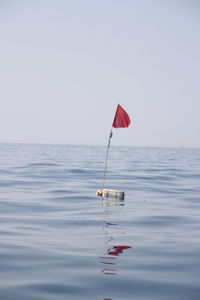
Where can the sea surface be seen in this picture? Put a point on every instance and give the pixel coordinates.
(59, 241)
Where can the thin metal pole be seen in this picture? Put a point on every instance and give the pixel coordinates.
(104, 177)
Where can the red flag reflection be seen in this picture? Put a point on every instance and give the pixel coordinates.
(116, 250)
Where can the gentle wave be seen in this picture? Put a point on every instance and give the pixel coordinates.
(59, 241)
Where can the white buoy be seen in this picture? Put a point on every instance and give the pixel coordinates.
(108, 193)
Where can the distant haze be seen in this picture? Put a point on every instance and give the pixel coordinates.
(65, 65)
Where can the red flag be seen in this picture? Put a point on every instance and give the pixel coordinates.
(121, 119)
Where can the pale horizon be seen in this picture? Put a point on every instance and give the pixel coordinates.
(97, 145)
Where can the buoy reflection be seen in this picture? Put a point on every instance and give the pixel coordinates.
(111, 228)
(112, 202)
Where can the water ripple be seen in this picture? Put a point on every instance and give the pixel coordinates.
(59, 241)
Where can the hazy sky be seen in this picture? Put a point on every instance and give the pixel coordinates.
(65, 64)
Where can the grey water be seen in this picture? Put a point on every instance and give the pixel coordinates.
(58, 240)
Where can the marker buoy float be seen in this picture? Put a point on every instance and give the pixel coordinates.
(108, 193)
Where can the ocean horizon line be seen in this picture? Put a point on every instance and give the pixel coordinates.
(97, 145)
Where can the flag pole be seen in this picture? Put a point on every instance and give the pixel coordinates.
(121, 120)
(105, 169)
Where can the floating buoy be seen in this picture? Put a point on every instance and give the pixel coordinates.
(108, 193)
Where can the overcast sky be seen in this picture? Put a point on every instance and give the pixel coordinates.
(66, 64)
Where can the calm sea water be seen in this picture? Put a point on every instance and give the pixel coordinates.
(59, 241)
